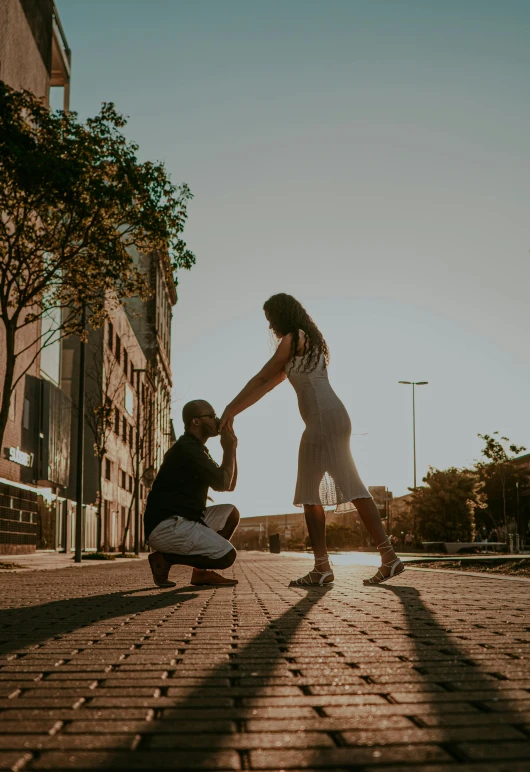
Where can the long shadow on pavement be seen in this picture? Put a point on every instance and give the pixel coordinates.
(31, 625)
(464, 688)
(210, 756)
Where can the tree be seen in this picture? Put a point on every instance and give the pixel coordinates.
(140, 452)
(500, 477)
(74, 200)
(444, 508)
(105, 381)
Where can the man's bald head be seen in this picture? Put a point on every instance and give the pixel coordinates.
(194, 409)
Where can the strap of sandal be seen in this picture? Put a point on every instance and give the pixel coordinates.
(303, 581)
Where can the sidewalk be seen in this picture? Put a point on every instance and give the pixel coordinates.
(45, 561)
(99, 670)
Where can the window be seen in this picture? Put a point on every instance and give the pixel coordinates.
(116, 421)
(132, 374)
(130, 483)
(125, 362)
(131, 438)
(25, 419)
(123, 480)
(117, 352)
(128, 399)
(107, 469)
(124, 428)
(110, 335)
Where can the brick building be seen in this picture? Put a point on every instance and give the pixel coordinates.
(151, 322)
(117, 377)
(34, 55)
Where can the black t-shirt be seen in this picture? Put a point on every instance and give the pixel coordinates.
(182, 483)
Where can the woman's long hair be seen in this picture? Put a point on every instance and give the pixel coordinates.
(287, 315)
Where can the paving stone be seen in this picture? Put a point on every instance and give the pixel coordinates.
(500, 750)
(336, 757)
(86, 760)
(13, 760)
(414, 675)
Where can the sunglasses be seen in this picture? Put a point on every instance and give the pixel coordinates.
(207, 415)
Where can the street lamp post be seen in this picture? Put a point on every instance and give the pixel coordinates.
(137, 466)
(79, 529)
(414, 384)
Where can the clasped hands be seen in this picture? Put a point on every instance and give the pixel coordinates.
(226, 422)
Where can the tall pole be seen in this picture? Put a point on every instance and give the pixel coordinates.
(414, 384)
(137, 468)
(80, 444)
(414, 430)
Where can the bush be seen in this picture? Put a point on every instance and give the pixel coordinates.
(97, 556)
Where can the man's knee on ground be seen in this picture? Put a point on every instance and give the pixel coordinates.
(227, 560)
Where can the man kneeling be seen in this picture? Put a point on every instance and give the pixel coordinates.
(178, 524)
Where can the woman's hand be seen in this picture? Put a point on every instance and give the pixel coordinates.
(227, 421)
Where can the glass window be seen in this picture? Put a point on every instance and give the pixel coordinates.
(117, 352)
(116, 421)
(107, 469)
(26, 417)
(125, 362)
(110, 335)
(128, 399)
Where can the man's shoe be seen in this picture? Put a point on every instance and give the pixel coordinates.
(160, 568)
(211, 578)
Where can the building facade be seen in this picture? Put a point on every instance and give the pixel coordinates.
(118, 405)
(34, 55)
(151, 323)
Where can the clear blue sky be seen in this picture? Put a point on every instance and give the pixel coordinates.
(371, 158)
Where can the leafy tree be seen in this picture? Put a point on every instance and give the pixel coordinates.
(105, 381)
(499, 476)
(444, 508)
(74, 200)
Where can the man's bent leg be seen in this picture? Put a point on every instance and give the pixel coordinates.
(201, 561)
(203, 568)
(188, 543)
(224, 519)
(231, 524)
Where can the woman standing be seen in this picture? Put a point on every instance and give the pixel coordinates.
(326, 471)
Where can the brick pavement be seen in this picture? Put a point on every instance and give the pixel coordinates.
(99, 670)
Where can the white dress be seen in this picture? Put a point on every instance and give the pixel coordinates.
(327, 474)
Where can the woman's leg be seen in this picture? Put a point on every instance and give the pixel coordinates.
(369, 514)
(315, 518)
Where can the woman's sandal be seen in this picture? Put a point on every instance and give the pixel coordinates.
(306, 581)
(379, 577)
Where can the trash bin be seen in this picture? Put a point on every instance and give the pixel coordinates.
(274, 543)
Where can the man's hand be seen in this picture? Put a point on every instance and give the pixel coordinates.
(227, 421)
(228, 439)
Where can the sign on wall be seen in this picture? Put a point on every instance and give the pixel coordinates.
(18, 456)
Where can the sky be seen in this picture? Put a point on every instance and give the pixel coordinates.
(369, 157)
